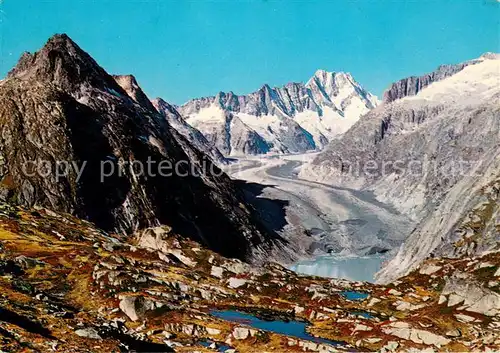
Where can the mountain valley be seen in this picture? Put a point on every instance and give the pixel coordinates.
(107, 255)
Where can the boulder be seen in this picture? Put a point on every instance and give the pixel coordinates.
(405, 331)
(475, 298)
(88, 332)
(236, 282)
(454, 333)
(241, 333)
(136, 306)
(217, 271)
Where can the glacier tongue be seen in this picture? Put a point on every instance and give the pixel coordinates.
(291, 119)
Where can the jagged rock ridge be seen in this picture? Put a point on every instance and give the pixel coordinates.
(410, 86)
(169, 112)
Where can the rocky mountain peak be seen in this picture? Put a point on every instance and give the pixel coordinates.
(62, 62)
(160, 102)
(266, 88)
(61, 41)
(335, 89)
(227, 101)
(59, 105)
(320, 73)
(293, 85)
(23, 64)
(328, 79)
(45, 58)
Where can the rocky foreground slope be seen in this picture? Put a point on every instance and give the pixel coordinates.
(290, 119)
(68, 286)
(435, 157)
(73, 140)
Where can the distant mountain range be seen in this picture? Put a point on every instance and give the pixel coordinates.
(410, 86)
(290, 119)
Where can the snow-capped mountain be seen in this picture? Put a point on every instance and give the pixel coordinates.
(195, 137)
(294, 118)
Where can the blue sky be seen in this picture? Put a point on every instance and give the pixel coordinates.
(185, 49)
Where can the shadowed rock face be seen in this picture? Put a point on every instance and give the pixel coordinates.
(60, 105)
